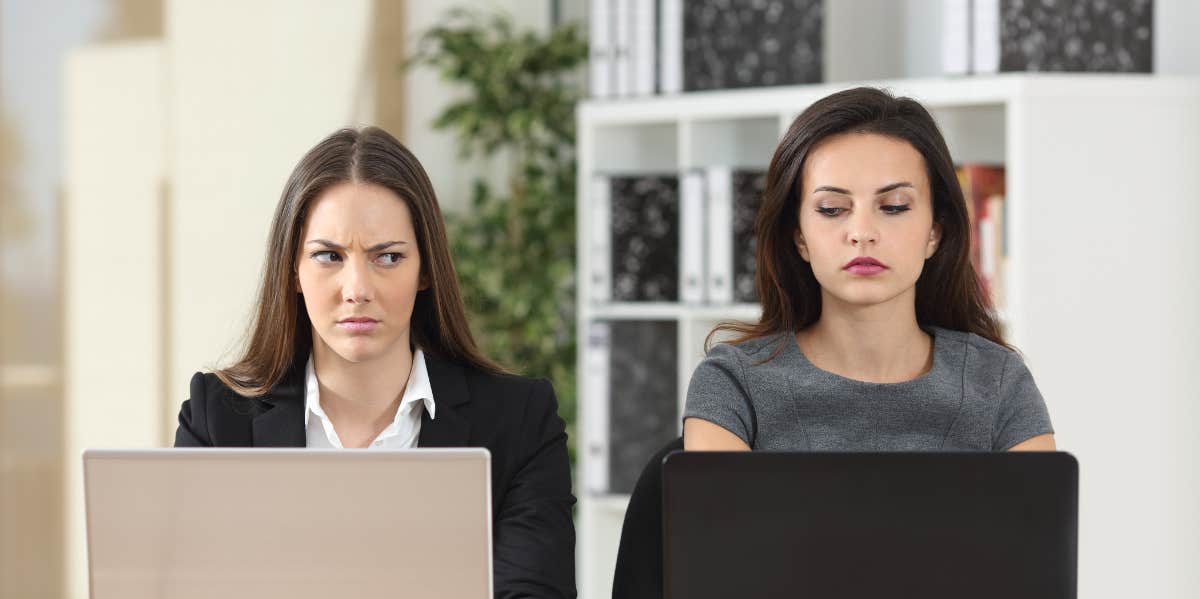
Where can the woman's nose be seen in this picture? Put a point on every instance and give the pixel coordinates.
(356, 287)
(863, 231)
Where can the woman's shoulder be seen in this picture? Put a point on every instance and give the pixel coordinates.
(964, 341)
(758, 352)
(489, 386)
(207, 390)
(506, 383)
(503, 403)
(984, 362)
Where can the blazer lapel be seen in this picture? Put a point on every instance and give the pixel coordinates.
(282, 422)
(450, 428)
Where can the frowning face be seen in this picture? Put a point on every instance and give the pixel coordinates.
(359, 271)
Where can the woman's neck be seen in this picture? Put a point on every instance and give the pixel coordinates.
(878, 344)
(361, 399)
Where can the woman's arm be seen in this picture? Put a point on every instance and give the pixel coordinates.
(534, 536)
(1039, 443)
(702, 435)
(718, 415)
(1022, 420)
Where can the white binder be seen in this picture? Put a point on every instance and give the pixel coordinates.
(595, 407)
(600, 240)
(719, 181)
(600, 48)
(691, 239)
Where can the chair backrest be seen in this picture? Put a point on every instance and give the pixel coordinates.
(639, 570)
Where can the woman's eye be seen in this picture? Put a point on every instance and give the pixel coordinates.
(391, 258)
(326, 256)
(895, 209)
(830, 211)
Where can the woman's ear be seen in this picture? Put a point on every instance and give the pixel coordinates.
(801, 247)
(935, 238)
(423, 282)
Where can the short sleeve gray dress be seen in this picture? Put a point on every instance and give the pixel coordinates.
(978, 396)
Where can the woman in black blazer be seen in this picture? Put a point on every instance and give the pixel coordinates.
(360, 340)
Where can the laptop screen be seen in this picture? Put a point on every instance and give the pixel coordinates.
(761, 524)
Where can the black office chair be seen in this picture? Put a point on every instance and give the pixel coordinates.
(639, 571)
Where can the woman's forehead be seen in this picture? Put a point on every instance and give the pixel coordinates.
(357, 210)
(863, 162)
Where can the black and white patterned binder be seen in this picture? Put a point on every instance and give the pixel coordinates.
(643, 396)
(748, 186)
(645, 238)
(743, 43)
(1104, 36)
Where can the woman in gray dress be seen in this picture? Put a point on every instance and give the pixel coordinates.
(876, 333)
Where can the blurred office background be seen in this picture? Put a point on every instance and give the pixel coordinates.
(143, 146)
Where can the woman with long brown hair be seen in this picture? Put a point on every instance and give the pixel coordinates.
(360, 339)
(875, 332)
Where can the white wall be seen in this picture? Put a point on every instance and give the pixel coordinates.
(114, 125)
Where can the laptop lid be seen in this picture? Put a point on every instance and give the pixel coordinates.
(294, 523)
(931, 525)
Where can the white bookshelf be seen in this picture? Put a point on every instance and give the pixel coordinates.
(1103, 200)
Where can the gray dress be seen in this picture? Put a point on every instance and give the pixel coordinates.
(978, 396)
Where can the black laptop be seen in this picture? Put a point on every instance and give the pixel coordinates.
(849, 525)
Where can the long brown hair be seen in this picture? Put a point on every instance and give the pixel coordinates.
(281, 331)
(948, 292)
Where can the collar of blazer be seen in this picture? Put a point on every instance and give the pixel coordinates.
(281, 423)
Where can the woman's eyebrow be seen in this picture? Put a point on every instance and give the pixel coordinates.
(375, 248)
(385, 245)
(881, 190)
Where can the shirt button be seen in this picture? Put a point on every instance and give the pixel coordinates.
(378, 442)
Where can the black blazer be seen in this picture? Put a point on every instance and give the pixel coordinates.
(516, 418)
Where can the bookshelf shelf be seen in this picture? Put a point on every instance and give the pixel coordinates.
(1097, 228)
(934, 93)
(638, 311)
(665, 310)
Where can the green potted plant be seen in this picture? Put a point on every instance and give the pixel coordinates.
(514, 248)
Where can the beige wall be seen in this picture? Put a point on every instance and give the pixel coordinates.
(253, 84)
(112, 260)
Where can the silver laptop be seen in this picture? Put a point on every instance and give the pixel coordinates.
(296, 523)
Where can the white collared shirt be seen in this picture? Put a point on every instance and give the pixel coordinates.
(402, 433)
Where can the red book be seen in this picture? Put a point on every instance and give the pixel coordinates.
(983, 190)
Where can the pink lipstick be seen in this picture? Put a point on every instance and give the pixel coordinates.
(358, 324)
(864, 266)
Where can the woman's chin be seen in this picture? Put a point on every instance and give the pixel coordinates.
(358, 350)
(866, 298)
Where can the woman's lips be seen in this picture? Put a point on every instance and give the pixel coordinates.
(864, 266)
(865, 270)
(358, 325)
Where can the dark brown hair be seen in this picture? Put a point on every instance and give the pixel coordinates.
(281, 332)
(948, 292)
